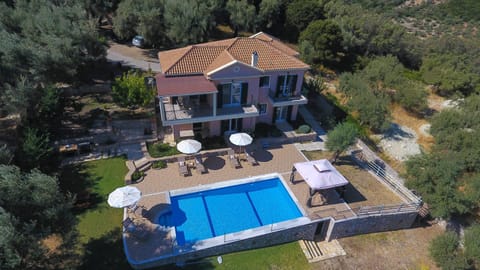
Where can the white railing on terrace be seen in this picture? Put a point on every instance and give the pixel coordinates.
(367, 159)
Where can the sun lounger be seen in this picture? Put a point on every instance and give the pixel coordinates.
(233, 159)
(199, 164)
(251, 159)
(182, 166)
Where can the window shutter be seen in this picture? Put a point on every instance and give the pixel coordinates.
(280, 81)
(220, 96)
(293, 84)
(244, 93)
(274, 115)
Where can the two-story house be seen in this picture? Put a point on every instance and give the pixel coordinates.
(225, 86)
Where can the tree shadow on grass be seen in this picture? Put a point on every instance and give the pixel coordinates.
(105, 253)
(76, 180)
(352, 195)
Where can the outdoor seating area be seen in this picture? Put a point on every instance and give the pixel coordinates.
(233, 158)
(182, 167)
(199, 164)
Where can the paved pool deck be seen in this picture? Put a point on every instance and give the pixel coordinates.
(157, 183)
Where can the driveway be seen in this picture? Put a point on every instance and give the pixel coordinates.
(133, 57)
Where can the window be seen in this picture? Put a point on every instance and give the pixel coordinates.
(286, 85)
(265, 81)
(231, 94)
(262, 108)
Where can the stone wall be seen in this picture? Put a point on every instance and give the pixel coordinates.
(306, 232)
(370, 224)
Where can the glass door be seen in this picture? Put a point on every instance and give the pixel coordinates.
(281, 114)
(232, 94)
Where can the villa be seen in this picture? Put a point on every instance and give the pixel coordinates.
(220, 87)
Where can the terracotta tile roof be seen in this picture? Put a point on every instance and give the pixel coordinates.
(275, 42)
(205, 57)
(178, 86)
(223, 58)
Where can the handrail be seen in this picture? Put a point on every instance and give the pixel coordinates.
(367, 159)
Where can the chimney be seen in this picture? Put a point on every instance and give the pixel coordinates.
(254, 59)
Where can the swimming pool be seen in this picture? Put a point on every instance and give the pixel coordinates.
(218, 211)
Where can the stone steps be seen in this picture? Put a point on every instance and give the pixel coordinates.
(313, 251)
(319, 251)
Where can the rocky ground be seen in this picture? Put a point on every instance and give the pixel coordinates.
(399, 142)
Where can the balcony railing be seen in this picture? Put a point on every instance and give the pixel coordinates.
(281, 100)
(175, 113)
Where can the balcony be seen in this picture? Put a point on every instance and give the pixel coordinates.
(288, 100)
(175, 114)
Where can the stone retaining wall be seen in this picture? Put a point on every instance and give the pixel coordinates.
(370, 224)
(306, 232)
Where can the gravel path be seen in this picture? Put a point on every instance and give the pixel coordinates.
(399, 142)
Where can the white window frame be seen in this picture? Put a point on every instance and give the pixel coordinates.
(233, 87)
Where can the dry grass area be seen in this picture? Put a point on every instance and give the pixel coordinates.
(364, 189)
(403, 249)
(52, 242)
(404, 118)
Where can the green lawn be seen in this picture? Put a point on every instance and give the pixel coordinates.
(99, 225)
(92, 182)
(109, 174)
(281, 257)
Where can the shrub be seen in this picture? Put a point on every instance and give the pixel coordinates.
(130, 90)
(444, 251)
(472, 243)
(157, 150)
(159, 164)
(303, 129)
(275, 132)
(137, 175)
(265, 130)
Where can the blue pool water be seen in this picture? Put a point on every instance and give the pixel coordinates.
(206, 214)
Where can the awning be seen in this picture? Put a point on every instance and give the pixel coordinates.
(184, 86)
(320, 174)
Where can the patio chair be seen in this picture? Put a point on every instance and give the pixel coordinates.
(182, 166)
(250, 159)
(233, 159)
(199, 164)
(137, 211)
(136, 229)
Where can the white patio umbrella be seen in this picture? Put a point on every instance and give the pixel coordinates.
(189, 146)
(124, 197)
(240, 139)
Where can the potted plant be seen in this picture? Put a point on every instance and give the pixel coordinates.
(137, 176)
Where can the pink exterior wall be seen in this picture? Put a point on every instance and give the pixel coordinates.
(236, 70)
(215, 128)
(294, 112)
(248, 124)
(178, 128)
(256, 94)
(263, 93)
